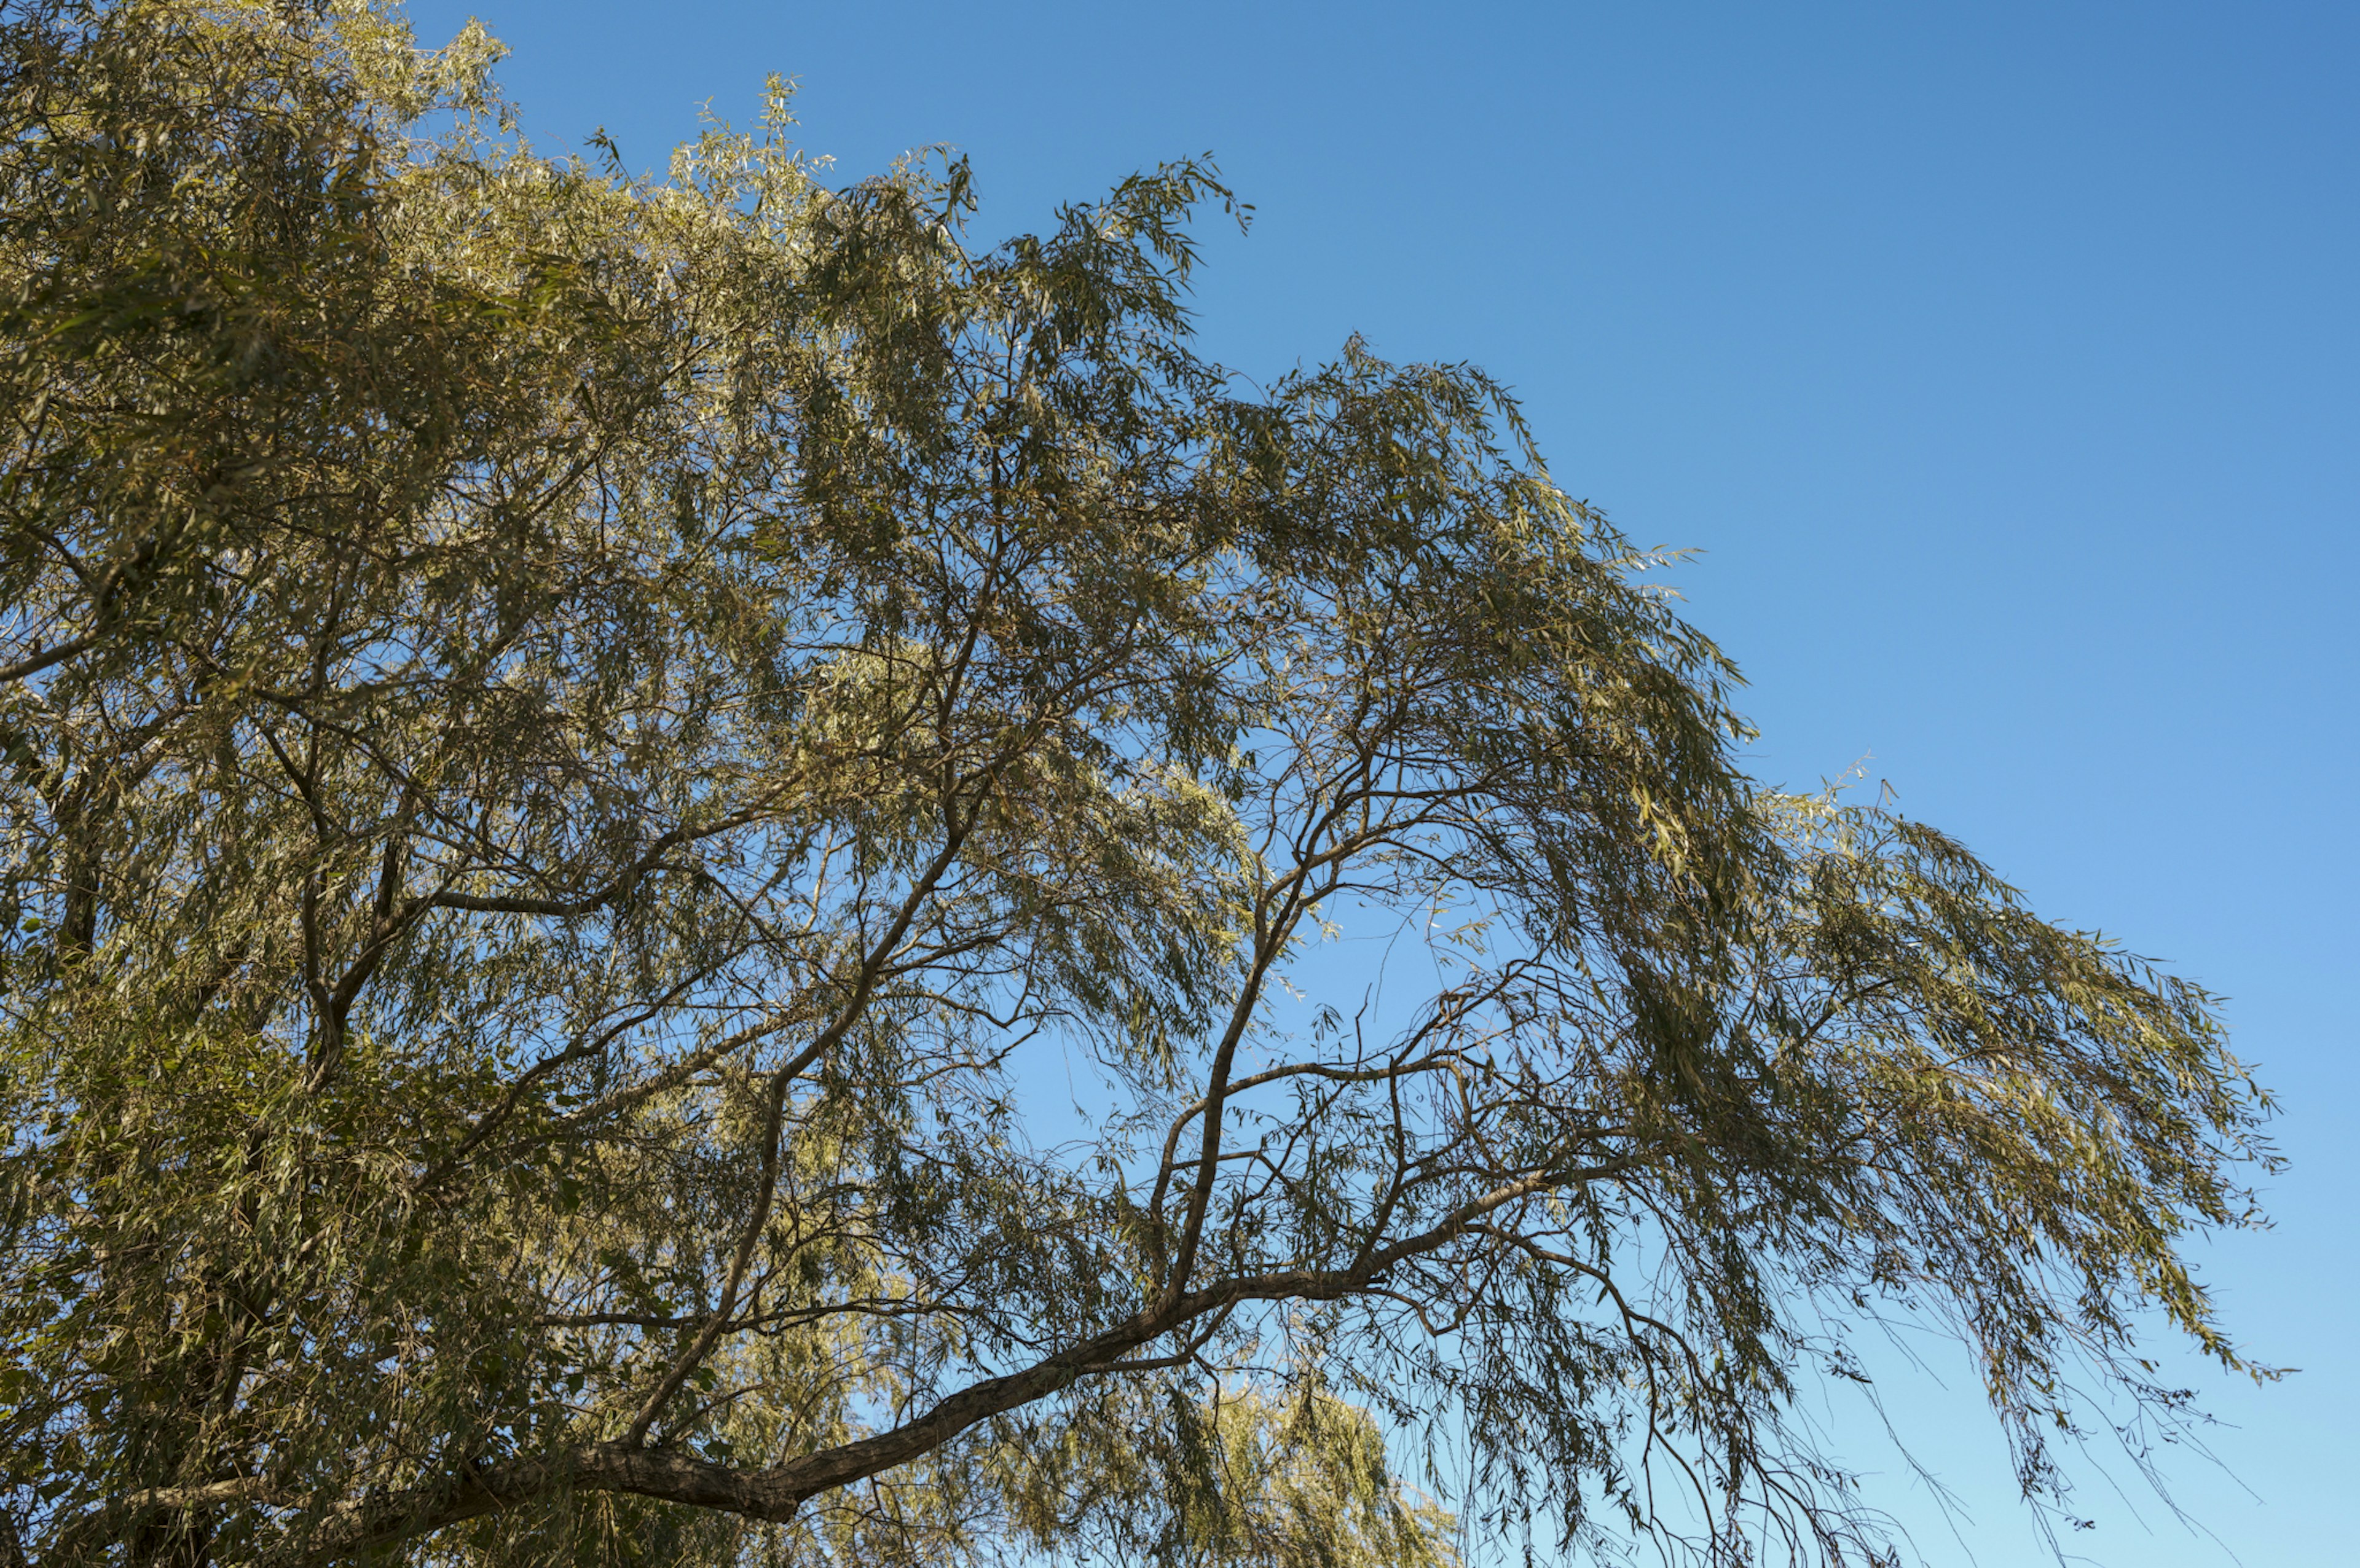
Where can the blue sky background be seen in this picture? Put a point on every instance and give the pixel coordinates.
(2001, 359)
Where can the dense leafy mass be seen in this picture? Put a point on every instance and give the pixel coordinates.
(669, 858)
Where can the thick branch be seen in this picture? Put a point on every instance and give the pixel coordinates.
(775, 1494)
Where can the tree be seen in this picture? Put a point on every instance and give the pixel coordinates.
(580, 750)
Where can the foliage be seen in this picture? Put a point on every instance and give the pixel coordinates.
(581, 751)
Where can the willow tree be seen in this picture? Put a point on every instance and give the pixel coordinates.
(669, 849)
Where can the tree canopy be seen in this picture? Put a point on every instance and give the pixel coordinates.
(669, 863)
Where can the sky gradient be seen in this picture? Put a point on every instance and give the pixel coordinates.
(2000, 360)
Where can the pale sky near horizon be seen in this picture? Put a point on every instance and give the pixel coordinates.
(2002, 359)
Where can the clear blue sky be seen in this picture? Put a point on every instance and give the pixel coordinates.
(2005, 360)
